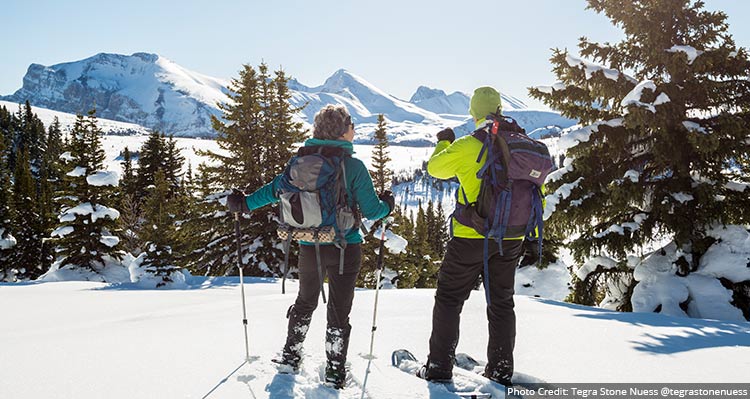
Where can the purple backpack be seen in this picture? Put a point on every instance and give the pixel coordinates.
(509, 203)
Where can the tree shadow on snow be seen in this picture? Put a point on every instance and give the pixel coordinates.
(193, 283)
(689, 334)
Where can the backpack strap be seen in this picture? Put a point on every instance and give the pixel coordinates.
(287, 249)
(342, 238)
(320, 269)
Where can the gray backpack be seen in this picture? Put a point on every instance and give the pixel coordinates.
(314, 205)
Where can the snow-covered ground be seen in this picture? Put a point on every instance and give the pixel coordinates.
(90, 340)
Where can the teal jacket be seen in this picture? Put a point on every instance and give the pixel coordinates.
(360, 190)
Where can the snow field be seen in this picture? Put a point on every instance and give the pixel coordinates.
(89, 340)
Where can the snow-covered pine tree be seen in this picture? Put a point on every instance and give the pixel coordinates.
(381, 175)
(666, 121)
(87, 224)
(158, 259)
(26, 257)
(256, 133)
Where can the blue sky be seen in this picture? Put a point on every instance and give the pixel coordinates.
(396, 45)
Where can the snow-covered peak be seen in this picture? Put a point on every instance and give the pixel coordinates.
(425, 93)
(142, 88)
(152, 91)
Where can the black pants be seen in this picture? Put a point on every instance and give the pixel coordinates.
(462, 265)
(340, 286)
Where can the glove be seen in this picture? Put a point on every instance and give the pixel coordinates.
(446, 134)
(236, 202)
(531, 253)
(387, 197)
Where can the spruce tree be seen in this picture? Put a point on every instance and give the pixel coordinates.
(26, 257)
(50, 179)
(661, 154)
(130, 220)
(441, 235)
(30, 137)
(256, 134)
(381, 175)
(128, 181)
(87, 223)
(150, 160)
(7, 240)
(159, 232)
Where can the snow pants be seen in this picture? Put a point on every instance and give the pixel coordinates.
(340, 297)
(462, 265)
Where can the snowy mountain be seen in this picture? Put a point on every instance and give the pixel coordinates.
(154, 92)
(142, 88)
(456, 103)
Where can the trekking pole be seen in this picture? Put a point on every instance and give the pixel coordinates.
(386, 223)
(242, 281)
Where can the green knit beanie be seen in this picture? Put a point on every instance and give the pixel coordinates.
(485, 101)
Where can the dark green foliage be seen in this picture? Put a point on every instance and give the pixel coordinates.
(688, 174)
(29, 136)
(256, 134)
(6, 206)
(159, 231)
(50, 179)
(128, 180)
(158, 153)
(27, 227)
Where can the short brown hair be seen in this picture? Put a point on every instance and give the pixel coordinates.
(331, 122)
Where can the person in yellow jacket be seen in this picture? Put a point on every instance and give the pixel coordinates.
(464, 259)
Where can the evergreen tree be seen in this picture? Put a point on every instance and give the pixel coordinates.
(256, 135)
(130, 220)
(87, 224)
(441, 235)
(661, 158)
(26, 256)
(159, 232)
(130, 223)
(128, 181)
(381, 175)
(7, 240)
(50, 179)
(30, 137)
(150, 161)
(172, 168)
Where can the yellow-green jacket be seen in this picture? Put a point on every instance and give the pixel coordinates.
(460, 160)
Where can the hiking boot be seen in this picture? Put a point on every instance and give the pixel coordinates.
(297, 328)
(287, 365)
(336, 377)
(337, 346)
(431, 372)
(498, 376)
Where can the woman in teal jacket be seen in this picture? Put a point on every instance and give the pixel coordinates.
(332, 127)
